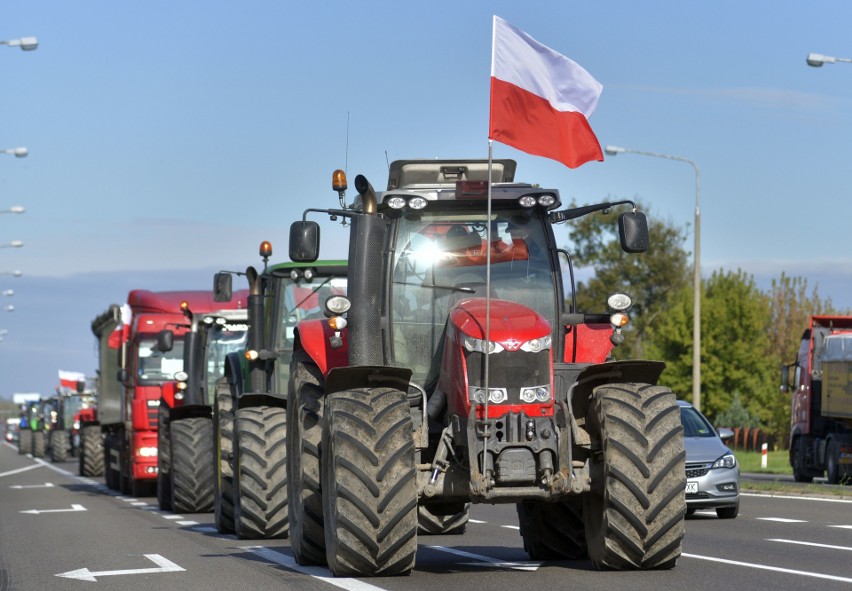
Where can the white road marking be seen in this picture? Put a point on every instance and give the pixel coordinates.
(476, 521)
(206, 529)
(525, 565)
(841, 526)
(797, 498)
(19, 470)
(511, 527)
(781, 519)
(23, 486)
(163, 566)
(172, 516)
(321, 574)
(772, 568)
(187, 522)
(38, 512)
(829, 546)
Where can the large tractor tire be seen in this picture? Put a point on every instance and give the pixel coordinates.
(447, 519)
(91, 451)
(368, 483)
(25, 441)
(192, 471)
(164, 458)
(260, 485)
(223, 440)
(553, 530)
(60, 444)
(39, 444)
(304, 422)
(832, 463)
(635, 510)
(110, 474)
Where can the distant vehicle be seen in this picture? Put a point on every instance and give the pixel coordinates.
(712, 471)
(821, 401)
(13, 427)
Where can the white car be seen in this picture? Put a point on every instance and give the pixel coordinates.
(712, 471)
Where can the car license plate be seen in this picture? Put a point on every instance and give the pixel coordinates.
(691, 487)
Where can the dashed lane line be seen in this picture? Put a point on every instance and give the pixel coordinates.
(316, 572)
(777, 569)
(814, 544)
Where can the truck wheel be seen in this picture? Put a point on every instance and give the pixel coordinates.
(223, 481)
(797, 459)
(260, 486)
(110, 475)
(91, 452)
(304, 420)
(192, 472)
(832, 463)
(25, 441)
(60, 443)
(448, 519)
(164, 459)
(635, 509)
(39, 444)
(368, 483)
(553, 530)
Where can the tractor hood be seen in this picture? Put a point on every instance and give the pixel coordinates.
(511, 324)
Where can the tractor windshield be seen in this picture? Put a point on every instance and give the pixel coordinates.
(223, 339)
(440, 259)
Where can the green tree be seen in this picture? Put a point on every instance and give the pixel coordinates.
(734, 340)
(650, 278)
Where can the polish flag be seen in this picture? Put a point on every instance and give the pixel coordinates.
(69, 379)
(540, 99)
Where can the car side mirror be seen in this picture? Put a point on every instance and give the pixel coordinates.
(725, 433)
(304, 242)
(633, 232)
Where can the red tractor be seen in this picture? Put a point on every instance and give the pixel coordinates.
(462, 373)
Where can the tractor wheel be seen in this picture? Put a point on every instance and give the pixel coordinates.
(553, 530)
(60, 443)
(91, 451)
(368, 483)
(800, 471)
(39, 444)
(110, 475)
(634, 511)
(223, 437)
(192, 471)
(25, 441)
(304, 420)
(164, 458)
(448, 519)
(260, 485)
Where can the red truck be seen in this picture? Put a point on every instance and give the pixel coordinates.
(821, 412)
(131, 374)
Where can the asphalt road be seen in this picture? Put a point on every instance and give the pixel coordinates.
(59, 531)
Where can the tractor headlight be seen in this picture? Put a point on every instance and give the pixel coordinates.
(619, 302)
(396, 202)
(495, 395)
(536, 345)
(535, 393)
(417, 203)
(480, 345)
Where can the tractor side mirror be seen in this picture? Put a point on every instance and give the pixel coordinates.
(222, 287)
(633, 232)
(165, 341)
(785, 379)
(304, 242)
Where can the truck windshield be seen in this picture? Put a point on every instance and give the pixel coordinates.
(156, 367)
(440, 259)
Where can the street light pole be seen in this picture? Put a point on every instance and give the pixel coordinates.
(816, 60)
(696, 272)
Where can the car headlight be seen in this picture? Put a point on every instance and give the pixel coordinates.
(726, 461)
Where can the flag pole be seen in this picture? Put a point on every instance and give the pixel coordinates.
(487, 313)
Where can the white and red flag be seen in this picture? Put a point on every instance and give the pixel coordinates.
(540, 99)
(69, 379)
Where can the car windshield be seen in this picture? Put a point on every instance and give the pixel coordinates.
(694, 423)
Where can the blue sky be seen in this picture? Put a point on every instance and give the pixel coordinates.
(167, 139)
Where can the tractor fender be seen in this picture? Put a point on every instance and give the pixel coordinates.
(579, 391)
(314, 338)
(367, 376)
(193, 411)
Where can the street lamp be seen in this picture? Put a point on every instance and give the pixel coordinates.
(816, 60)
(13, 209)
(25, 43)
(16, 152)
(13, 244)
(696, 274)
